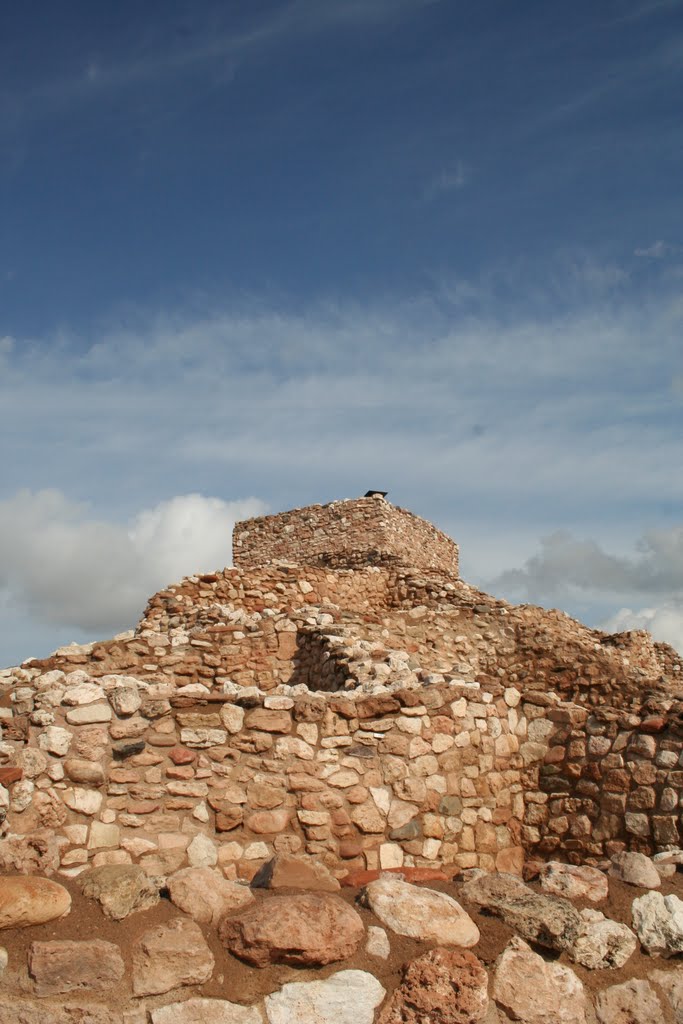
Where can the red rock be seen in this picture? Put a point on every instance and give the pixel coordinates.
(10, 775)
(656, 723)
(181, 755)
(442, 987)
(305, 930)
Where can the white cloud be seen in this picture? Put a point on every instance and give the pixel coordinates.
(566, 569)
(68, 568)
(664, 622)
(450, 179)
(659, 250)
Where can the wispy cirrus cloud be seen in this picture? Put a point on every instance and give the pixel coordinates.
(450, 179)
(659, 250)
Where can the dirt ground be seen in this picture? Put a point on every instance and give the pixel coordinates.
(240, 983)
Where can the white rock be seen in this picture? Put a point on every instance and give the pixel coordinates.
(202, 853)
(55, 740)
(419, 913)
(89, 714)
(206, 1011)
(602, 942)
(83, 801)
(658, 921)
(348, 997)
(82, 693)
(126, 699)
(378, 943)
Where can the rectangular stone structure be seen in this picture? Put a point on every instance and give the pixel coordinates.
(346, 534)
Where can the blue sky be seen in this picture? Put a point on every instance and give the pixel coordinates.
(256, 255)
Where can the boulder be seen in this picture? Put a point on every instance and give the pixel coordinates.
(64, 966)
(658, 921)
(348, 997)
(602, 942)
(25, 901)
(633, 1002)
(418, 913)
(206, 1011)
(533, 991)
(206, 895)
(302, 929)
(574, 882)
(442, 987)
(546, 920)
(635, 869)
(21, 1010)
(170, 955)
(671, 982)
(287, 871)
(120, 889)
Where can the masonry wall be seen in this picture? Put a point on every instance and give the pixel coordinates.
(113, 771)
(345, 534)
(609, 781)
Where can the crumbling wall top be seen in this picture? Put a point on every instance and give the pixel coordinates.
(345, 534)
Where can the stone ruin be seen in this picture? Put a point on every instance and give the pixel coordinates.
(340, 693)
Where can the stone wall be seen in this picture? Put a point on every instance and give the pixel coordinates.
(610, 780)
(118, 770)
(345, 534)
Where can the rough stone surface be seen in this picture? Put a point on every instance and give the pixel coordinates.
(602, 943)
(636, 869)
(287, 871)
(574, 882)
(533, 991)
(120, 889)
(658, 922)
(442, 987)
(546, 920)
(170, 955)
(420, 913)
(29, 901)
(671, 982)
(206, 1011)
(633, 1002)
(307, 930)
(348, 997)
(206, 895)
(378, 943)
(58, 967)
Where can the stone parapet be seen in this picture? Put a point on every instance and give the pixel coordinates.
(345, 534)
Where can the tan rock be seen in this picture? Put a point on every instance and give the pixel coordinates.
(306, 930)
(26, 901)
(206, 895)
(64, 966)
(268, 822)
(419, 913)
(633, 1002)
(533, 991)
(286, 871)
(206, 1011)
(170, 955)
(574, 882)
(120, 889)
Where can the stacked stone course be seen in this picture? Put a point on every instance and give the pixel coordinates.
(345, 534)
(386, 716)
